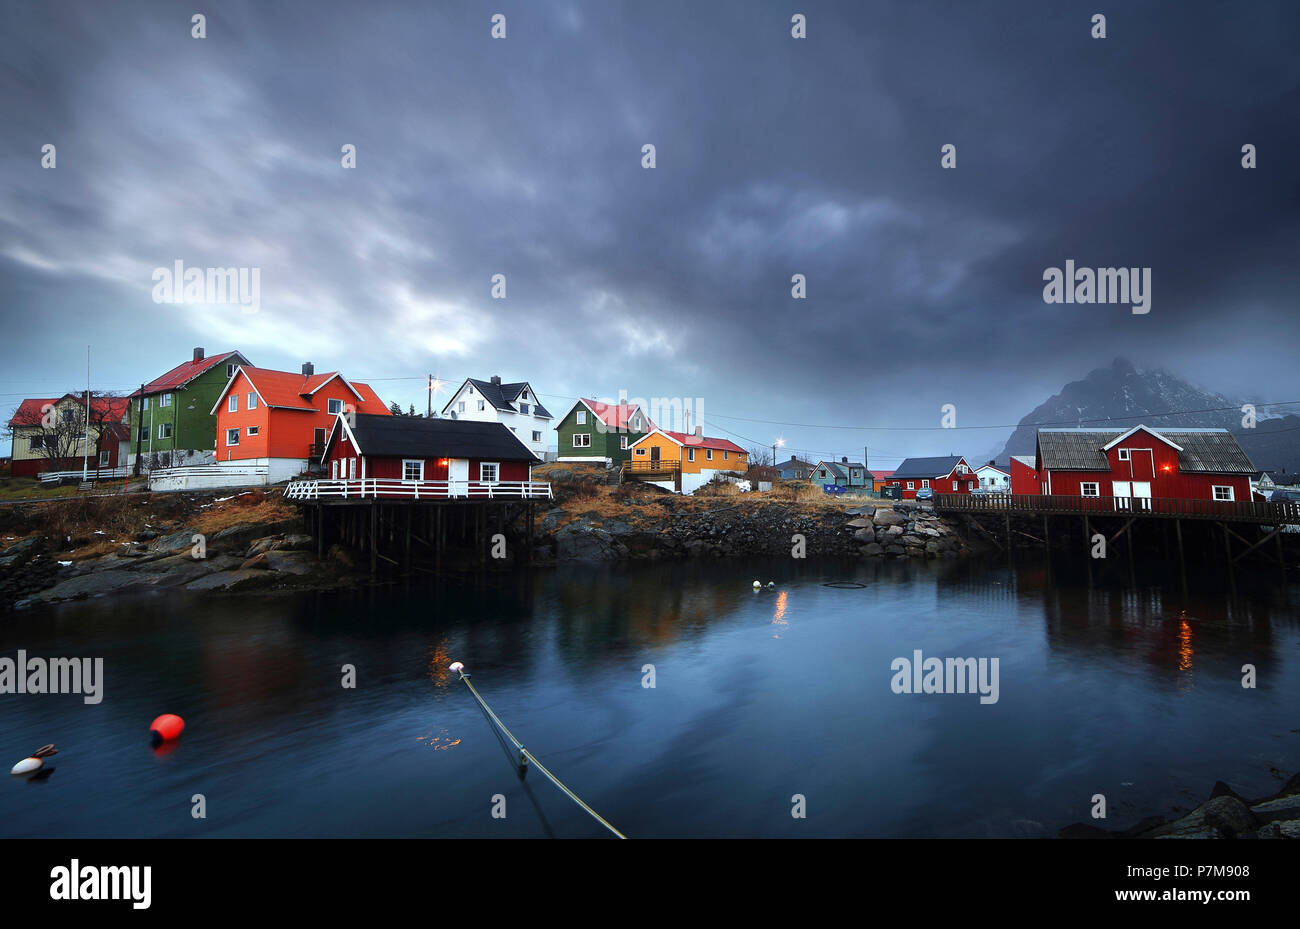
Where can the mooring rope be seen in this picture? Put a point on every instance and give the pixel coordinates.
(529, 756)
(844, 585)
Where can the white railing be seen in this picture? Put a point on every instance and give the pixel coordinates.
(372, 487)
(204, 477)
(93, 474)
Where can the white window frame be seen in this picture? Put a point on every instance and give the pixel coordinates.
(252, 431)
(1126, 454)
(412, 461)
(165, 400)
(252, 400)
(232, 433)
(232, 403)
(582, 440)
(954, 485)
(911, 485)
(925, 483)
(622, 441)
(334, 470)
(708, 454)
(1083, 489)
(726, 455)
(1214, 493)
(103, 458)
(690, 454)
(482, 405)
(582, 418)
(537, 436)
(352, 469)
(162, 427)
(496, 472)
(334, 407)
(460, 406)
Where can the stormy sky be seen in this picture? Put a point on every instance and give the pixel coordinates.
(775, 156)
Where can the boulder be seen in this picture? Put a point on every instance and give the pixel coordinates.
(873, 550)
(866, 534)
(258, 562)
(1223, 815)
(859, 523)
(888, 518)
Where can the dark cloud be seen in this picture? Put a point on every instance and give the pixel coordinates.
(775, 157)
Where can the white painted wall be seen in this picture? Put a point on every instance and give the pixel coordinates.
(523, 425)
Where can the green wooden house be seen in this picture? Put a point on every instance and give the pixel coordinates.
(171, 417)
(597, 432)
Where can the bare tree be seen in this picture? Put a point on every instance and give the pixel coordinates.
(58, 428)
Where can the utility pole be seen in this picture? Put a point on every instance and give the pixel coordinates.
(139, 407)
(429, 411)
(85, 439)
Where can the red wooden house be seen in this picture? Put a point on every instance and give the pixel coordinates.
(946, 474)
(388, 455)
(1024, 476)
(1186, 464)
(280, 419)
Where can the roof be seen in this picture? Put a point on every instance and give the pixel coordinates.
(501, 396)
(992, 467)
(881, 475)
(1214, 451)
(415, 437)
(794, 464)
(702, 441)
(614, 415)
(106, 409)
(927, 468)
(182, 374)
(1028, 460)
(833, 466)
(288, 390)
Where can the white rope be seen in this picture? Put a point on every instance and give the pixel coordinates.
(533, 758)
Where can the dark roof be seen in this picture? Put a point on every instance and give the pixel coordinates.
(927, 468)
(414, 437)
(794, 464)
(504, 396)
(1212, 451)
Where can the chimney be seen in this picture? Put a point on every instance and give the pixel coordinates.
(844, 459)
(991, 461)
(496, 379)
(198, 354)
(699, 431)
(308, 369)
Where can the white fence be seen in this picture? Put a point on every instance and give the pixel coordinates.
(93, 474)
(208, 477)
(416, 490)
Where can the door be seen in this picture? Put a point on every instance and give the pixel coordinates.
(654, 454)
(1141, 495)
(1122, 491)
(458, 476)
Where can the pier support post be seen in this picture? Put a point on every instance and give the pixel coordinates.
(374, 538)
(1182, 560)
(1281, 555)
(1087, 547)
(1227, 549)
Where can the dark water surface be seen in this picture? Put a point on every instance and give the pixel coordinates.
(758, 697)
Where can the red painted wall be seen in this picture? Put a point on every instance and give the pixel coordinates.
(965, 484)
(1024, 479)
(1159, 466)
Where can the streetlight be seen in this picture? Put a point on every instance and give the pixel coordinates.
(775, 445)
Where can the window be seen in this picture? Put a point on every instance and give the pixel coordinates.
(925, 483)
(582, 417)
(352, 469)
(232, 436)
(334, 470)
(460, 407)
(582, 440)
(146, 403)
(103, 459)
(230, 371)
(622, 441)
(487, 472)
(165, 400)
(690, 454)
(708, 453)
(67, 416)
(36, 443)
(482, 405)
(252, 431)
(334, 406)
(537, 437)
(523, 396)
(524, 408)
(164, 430)
(1089, 489)
(726, 455)
(640, 451)
(1222, 493)
(1124, 454)
(954, 485)
(911, 485)
(252, 401)
(232, 403)
(144, 433)
(412, 469)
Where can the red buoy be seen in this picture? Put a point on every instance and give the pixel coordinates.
(166, 727)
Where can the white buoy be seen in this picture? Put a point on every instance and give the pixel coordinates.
(771, 584)
(757, 585)
(456, 666)
(27, 766)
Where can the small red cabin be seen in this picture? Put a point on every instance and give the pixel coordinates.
(1024, 476)
(946, 474)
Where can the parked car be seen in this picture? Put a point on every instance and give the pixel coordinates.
(925, 493)
(1284, 496)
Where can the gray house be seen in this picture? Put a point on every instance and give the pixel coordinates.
(844, 473)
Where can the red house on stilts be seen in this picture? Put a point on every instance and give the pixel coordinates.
(1187, 464)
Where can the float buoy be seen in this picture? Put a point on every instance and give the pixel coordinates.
(166, 727)
(771, 584)
(757, 585)
(36, 761)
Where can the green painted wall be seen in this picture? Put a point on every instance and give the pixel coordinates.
(603, 444)
(193, 427)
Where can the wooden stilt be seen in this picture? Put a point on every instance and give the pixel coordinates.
(1281, 556)
(1087, 547)
(374, 538)
(1182, 560)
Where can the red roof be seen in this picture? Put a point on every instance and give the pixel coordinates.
(703, 441)
(293, 391)
(614, 415)
(881, 475)
(184, 373)
(109, 409)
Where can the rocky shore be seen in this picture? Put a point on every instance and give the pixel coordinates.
(1225, 815)
(253, 540)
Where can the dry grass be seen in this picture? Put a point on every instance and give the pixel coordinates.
(28, 488)
(254, 507)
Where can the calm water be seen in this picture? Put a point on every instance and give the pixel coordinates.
(758, 697)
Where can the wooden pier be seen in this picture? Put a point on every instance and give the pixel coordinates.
(415, 525)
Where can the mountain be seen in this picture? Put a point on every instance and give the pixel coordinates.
(1120, 395)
